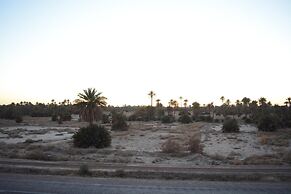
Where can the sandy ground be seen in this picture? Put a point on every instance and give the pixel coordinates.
(40, 138)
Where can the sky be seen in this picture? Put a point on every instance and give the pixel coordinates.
(200, 50)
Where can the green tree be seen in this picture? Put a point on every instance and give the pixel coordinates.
(90, 100)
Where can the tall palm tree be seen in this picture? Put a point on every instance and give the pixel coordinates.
(289, 101)
(151, 94)
(222, 99)
(171, 103)
(246, 101)
(158, 102)
(185, 103)
(262, 101)
(181, 101)
(227, 102)
(90, 100)
(237, 102)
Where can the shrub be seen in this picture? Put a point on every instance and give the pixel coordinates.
(18, 119)
(66, 117)
(93, 135)
(105, 118)
(119, 122)
(143, 114)
(194, 144)
(38, 155)
(54, 117)
(185, 118)
(84, 170)
(268, 122)
(119, 173)
(60, 121)
(168, 119)
(230, 125)
(287, 157)
(204, 118)
(171, 146)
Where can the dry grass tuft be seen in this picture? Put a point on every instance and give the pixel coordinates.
(195, 144)
(264, 140)
(268, 159)
(287, 157)
(171, 146)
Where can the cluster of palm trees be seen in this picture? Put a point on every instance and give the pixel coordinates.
(172, 103)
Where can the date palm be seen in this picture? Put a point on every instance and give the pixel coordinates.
(90, 100)
(262, 101)
(151, 94)
(185, 103)
(227, 102)
(158, 102)
(289, 101)
(181, 99)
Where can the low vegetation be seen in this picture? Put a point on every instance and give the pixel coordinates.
(93, 135)
(18, 119)
(230, 126)
(168, 119)
(195, 144)
(171, 146)
(119, 122)
(185, 118)
(268, 122)
(84, 170)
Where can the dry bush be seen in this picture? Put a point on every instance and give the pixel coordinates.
(264, 140)
(236, 162)
(195, 144)
(217, 157)
(84, 170)
(171, 146)
(268, 159)
(287, 157)
(37, 155)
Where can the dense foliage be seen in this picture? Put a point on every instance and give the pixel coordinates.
(93, 135)
(119, 122)
(63, 109)
(230, 126)
(168, 119)
(268, 122)
(185, 118)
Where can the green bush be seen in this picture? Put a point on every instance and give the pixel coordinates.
(143, 114)
(268, 122)
(168, 119)
(54, 117)
(185, 118)
(84, 170)
(119, 122)
(230, 125)
(204, 118)
(105, 118)
(93, 135)
(66, 117)
(18, 119)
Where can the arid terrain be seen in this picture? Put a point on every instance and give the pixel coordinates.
(42, 139)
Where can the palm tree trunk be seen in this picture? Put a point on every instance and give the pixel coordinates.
(90, 116)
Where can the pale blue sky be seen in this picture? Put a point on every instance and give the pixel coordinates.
(200, 50)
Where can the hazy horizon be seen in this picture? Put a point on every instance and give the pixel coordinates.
(200, 50)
